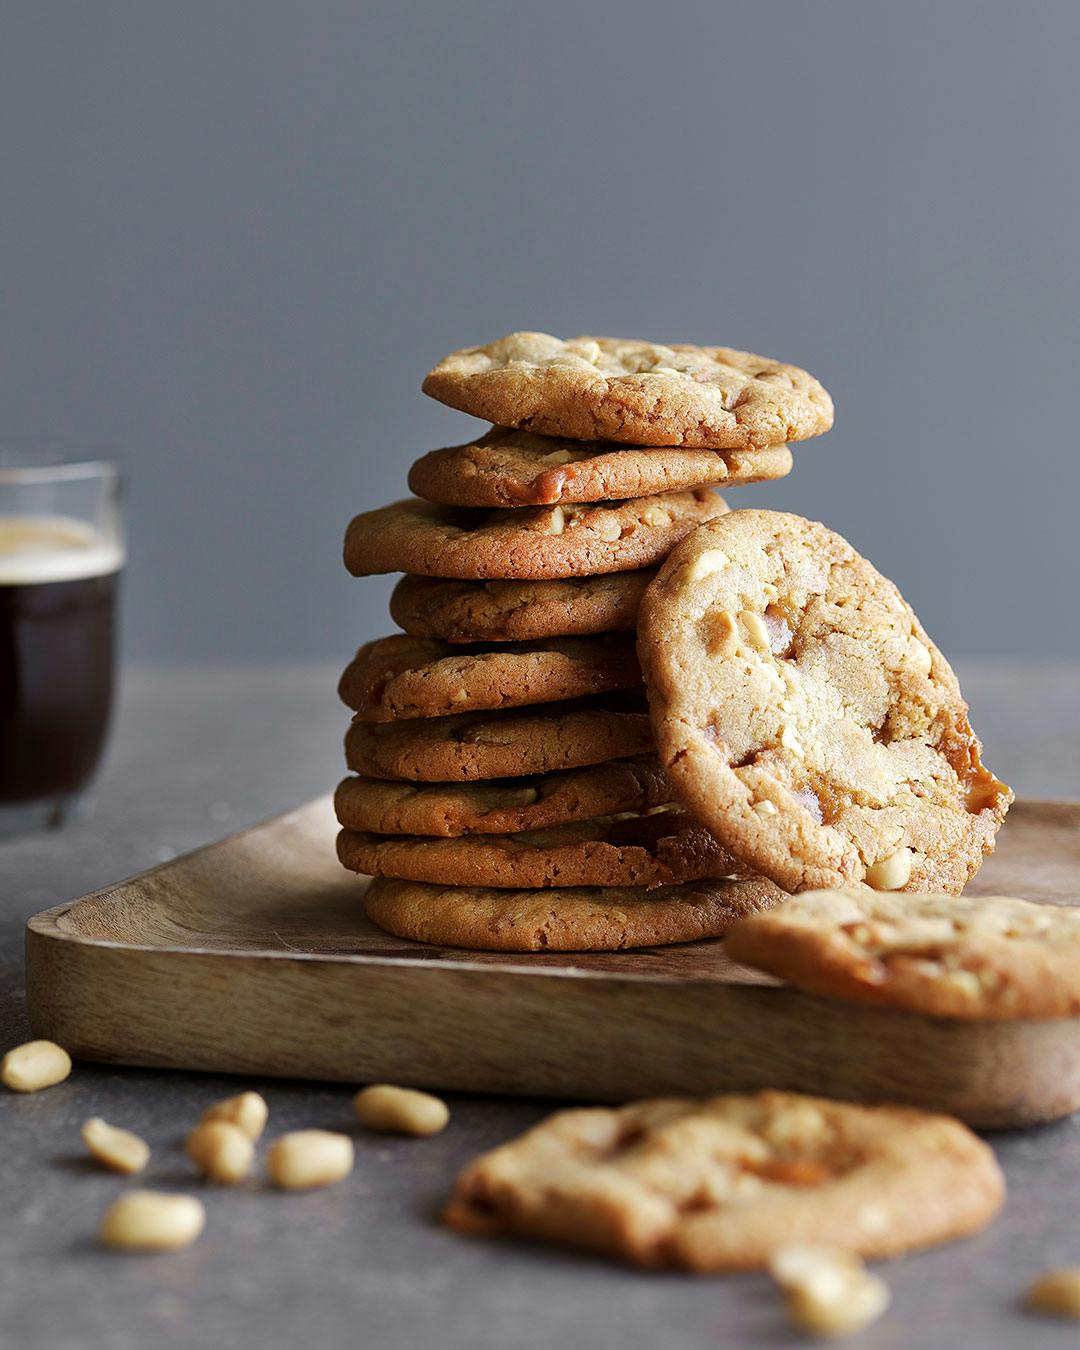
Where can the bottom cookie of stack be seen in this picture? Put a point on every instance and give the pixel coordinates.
(583, 918)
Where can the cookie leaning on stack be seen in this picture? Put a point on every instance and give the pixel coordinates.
(507, 795)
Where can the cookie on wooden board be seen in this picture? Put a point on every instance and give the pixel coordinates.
(723, 1183)
(804, 716)
(519, 468)
(503, 806)
(943, 955)
(579, 919)
(637, 393)
(503, 744)
(657, 849)
(529, 544)
(401, 677)
(518, 611)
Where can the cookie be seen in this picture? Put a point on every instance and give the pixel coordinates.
(582, 919)
(724, 1183)
(637, 850)
(519, 468)
(403, 677)
(944, 955)
(637, 393)
(804, 716)
(518, 611)
(500, 745)
(505, 806)
(530, 544)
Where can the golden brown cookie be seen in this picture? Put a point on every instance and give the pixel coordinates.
(658, 849)
(804, 716)
(504, 806)
(501, 744)
(518, 611)
(641, 393)
(400, 677)
(944, 955)
(724, 1183)
(530, 544)
(518, 468)
(582, 919)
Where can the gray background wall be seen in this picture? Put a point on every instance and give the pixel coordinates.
(233, 237)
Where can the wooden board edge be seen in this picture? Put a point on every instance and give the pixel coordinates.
(454, 1027)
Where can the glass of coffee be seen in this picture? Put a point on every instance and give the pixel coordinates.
(61, 553)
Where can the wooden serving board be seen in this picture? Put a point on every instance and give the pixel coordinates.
(253, 956)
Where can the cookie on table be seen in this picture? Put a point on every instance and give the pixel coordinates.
(505, 744)
(979, 957)
(579, 919)
(518, 611)
(504, 806)
(723, 1183)
(529, 544)
(518, 468)
(804, 716)
(400, 677)
(659, 849)
(637, 393)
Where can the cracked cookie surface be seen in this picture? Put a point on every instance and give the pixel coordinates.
(722, 1183)
(943, 955)
(518, 611)
(658, 849)
(577, 919)
(502, 744)
(519, 468)
(503, 806)
(804, 716)
(528, 544)
(638, 393)
(400, 677)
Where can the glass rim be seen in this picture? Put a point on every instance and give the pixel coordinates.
(68, 471)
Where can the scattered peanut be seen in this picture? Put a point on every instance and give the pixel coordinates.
(1057, 1293)
(33, 1066)
(248, 1110)
(828, 1292)
(307, 1158)
(152, 1221)
(221, 1151)
(401, 1110)
(115, 1148)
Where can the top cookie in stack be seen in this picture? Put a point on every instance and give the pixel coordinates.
(526, 555)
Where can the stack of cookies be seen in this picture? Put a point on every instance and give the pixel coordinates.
(507, 794)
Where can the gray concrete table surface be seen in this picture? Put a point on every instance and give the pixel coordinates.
(198, 753)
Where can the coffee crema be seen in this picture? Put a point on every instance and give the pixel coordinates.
(58, 586)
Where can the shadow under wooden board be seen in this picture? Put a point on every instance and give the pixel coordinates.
(253, 956)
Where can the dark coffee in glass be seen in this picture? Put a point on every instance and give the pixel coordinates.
(60, 563)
